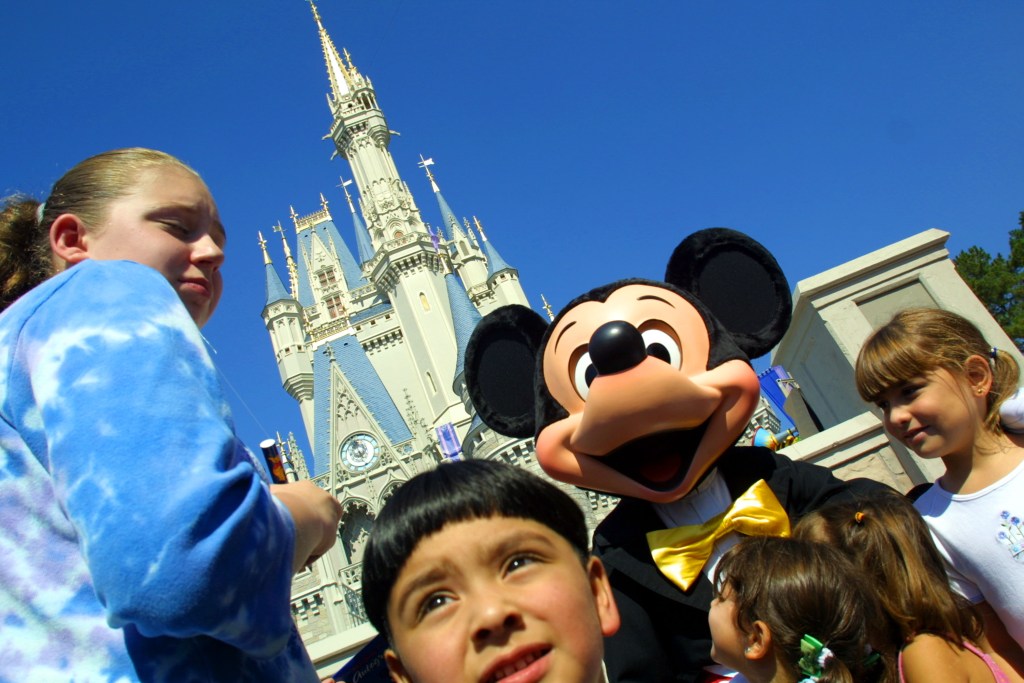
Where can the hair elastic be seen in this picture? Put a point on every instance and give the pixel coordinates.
(40, 210)
(859, 517)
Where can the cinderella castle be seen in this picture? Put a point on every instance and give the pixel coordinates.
(370, 342)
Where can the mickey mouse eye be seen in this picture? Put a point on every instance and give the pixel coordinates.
(583, 374)
(662, 346)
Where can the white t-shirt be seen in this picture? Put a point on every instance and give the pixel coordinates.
(981, 536)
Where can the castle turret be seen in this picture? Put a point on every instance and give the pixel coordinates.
(283, 317)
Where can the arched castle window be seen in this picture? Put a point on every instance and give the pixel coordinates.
(424, 302)
(430, 381)
(354, 532)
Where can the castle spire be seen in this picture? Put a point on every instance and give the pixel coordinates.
(275, 288)
(293, 269)
(337, 71)
(454, 229)
(464, 320)
(495, 264)
(363, 242)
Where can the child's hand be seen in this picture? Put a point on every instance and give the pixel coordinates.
(316, 514)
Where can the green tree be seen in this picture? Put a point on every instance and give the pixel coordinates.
(999, 282)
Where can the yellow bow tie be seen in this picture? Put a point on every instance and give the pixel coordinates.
(682, 552)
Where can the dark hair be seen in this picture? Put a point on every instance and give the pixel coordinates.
(86, 191)
(920, 340)
(458, 492)
(800, 588)
(887, 537)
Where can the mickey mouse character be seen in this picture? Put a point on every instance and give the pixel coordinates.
(640, 389)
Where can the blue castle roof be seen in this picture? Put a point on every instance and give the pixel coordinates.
(495, 264)
(364, 245)
(464, 318)
(275, 288)
(355, 365)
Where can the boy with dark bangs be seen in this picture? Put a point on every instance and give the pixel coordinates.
(479, 571)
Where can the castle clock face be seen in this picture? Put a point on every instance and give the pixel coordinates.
(359, 452)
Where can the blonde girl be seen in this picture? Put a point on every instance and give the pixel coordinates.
(940, 386)
(140, 539)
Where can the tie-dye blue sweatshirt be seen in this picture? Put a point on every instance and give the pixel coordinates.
(138, 539)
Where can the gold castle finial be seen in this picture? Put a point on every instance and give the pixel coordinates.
(263, 246)
(480, 228)
(323, 201)
(547, 308)
(293, 269)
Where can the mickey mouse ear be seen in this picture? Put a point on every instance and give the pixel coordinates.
(739, 281)
(501, 362)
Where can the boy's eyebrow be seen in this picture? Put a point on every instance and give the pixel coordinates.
(422, 580)
(505, 545)
(514, 539)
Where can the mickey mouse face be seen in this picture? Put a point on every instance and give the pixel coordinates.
(638, 386)
(631, 372)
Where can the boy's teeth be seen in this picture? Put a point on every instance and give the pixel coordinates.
(512, 668)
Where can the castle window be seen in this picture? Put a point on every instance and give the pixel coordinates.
(430, 381)
(327, 278)
(335, 306)
(424, 302)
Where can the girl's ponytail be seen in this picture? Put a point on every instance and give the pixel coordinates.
(24, 248)
(1005, 374)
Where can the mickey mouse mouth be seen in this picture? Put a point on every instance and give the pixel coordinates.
(657, 461)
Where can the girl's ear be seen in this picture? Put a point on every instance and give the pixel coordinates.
(979, 374)
(395, 667)
(67, 239)
(604, 601)
(759, 641)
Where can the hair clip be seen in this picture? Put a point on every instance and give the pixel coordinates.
(993, 355)
(859, 517)
(814, 657)
(40, 210)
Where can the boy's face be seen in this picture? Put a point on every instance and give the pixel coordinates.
(499, 599)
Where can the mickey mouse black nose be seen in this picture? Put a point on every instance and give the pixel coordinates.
(616, 346)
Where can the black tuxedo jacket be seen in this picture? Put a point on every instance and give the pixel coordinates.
(664, 635)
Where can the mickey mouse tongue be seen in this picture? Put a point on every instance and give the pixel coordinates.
(658, 461)
(659, 470)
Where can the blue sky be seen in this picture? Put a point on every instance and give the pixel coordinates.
(588, 137)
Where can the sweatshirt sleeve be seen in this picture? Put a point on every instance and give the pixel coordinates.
(180, 534)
